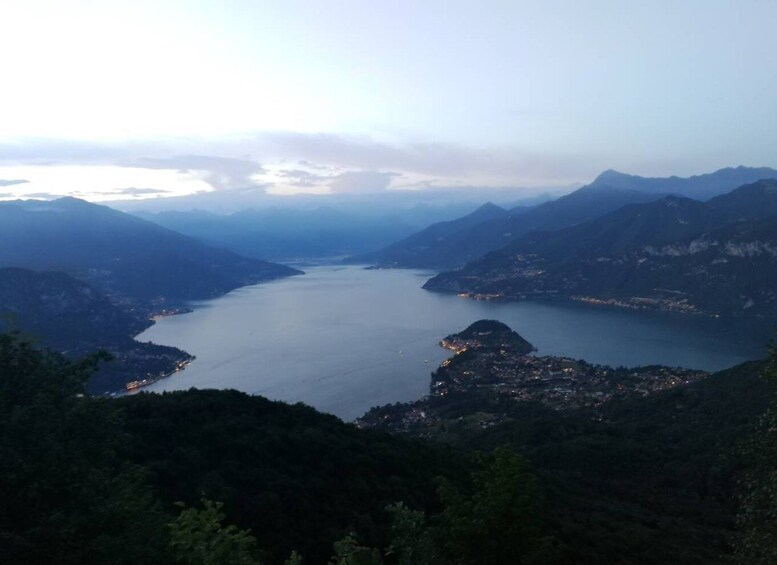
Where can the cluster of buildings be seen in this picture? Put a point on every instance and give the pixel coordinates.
(487, 378)
(558, 382)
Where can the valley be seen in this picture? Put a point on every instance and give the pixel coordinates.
(388, 283)
(634, 376)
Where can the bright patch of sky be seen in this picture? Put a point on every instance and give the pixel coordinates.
(99, 183)
(379, 95)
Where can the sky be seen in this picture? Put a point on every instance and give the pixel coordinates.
(149, 99)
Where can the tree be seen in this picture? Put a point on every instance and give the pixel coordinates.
(67, 496)
(349, 552)
(198, 537)
(501, 522)
(757, 518)
(412, 542)
(294, 559)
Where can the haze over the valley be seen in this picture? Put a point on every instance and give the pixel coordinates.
(245, 101)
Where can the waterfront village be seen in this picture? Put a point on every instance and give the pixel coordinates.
(493, 368)
(676, 304)
(151, 378)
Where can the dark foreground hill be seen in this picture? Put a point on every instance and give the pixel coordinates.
(120, 254)
(88, 480)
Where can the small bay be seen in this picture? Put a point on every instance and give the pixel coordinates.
(344, 339)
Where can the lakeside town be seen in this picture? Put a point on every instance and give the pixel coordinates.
(493, 367)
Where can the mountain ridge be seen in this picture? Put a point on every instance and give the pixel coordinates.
(122, 255)
(60, 312)
(610, 191)
(679, 254)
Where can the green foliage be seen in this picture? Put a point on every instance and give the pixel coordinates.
(501, 522)
(67, 496)
(757, 519)
(198, 537)
(646, 480)
(30, 379)
(294, 559)
(297, 478)
(349, 552)
(642, 480)
(412, 542)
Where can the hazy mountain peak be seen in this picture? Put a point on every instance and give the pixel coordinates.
(698, 186)
(73, 203)
(609, 176)
(677, 200)
(488, 208)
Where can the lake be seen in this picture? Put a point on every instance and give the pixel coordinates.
(344, 339)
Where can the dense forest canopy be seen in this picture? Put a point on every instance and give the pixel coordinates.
(191, 476)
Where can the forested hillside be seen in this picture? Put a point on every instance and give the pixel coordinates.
(96, 480)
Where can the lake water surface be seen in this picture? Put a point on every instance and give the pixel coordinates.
(344, 339)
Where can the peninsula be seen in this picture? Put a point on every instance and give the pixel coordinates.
(493, 370)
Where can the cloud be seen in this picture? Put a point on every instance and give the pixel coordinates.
(303, 179)
(222, 173)
(346, 182)
(298, 174)
(131, 191)
(321, 155)
(487, 165)
(11, 182)
(42, 195)
(361, 182)
(310, 165)
(7, 195)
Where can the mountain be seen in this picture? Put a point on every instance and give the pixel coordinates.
(700, 187)
(466, 240)
(60, 312)
(608, 192)
(434, 246)
(751, 201)
(717, 257)
(289, 234)
(120, 254)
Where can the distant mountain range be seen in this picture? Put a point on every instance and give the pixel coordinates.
(57, 311)
(121, 255)
(453, 244)
(285, 234)
(716, 257)
(699, 187)
(438, 244)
